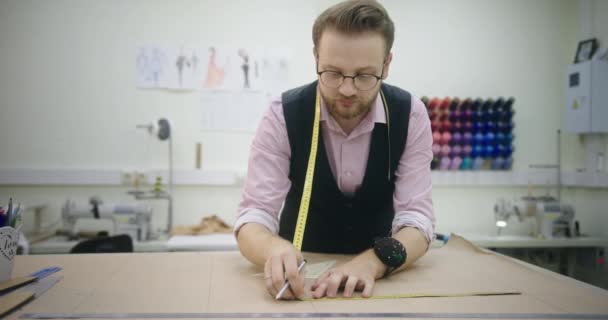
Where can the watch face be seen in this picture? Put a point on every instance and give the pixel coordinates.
(390, 251)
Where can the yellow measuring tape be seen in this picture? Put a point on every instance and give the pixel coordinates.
(420, 295)
(305, 203)
(298, 236)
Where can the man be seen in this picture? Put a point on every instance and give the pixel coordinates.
(372, 170)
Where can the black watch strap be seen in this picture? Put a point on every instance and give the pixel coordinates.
(391, 252)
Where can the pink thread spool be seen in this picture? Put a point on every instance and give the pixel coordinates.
(436, 137)
(444, 164)
(436, 149)
(456, 162)
(446, 137)
(445, 150)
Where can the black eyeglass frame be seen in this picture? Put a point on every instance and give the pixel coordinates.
(378, 78)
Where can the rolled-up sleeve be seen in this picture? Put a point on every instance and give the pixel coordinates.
(267, 181)
(412, 198)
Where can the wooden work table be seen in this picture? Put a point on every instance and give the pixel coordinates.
(224, 282)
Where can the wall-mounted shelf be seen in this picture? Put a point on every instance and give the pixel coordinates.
(93, 177)
(518, 178)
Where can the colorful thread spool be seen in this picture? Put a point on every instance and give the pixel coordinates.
(436, 137)
(455, 164)
(436, 149)
(445, 137)
(445, 150)
(466, 164)
(477, 163)
(444, 163)
(467, 138)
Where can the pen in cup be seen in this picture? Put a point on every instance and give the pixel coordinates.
(286, 285)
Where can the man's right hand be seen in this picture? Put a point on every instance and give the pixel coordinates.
(282, 260)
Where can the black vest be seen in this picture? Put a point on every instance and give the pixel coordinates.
(338, 223)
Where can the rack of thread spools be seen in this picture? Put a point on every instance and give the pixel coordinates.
(471, 134)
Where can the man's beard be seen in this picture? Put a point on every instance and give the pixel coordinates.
(356, 109)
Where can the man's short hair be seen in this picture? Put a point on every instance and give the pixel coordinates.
(355, 17)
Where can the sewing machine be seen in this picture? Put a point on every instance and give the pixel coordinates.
(553, 218)
(131, 219)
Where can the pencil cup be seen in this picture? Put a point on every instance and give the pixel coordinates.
(9, 239)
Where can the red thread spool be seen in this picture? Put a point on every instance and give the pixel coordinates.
(445, 126)
(435, 124)
(434, 103)
(445, 103)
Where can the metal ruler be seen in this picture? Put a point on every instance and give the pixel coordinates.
(421, 315)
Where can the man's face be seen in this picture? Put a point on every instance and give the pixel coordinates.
(351, 55)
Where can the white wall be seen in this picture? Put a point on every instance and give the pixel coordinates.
(68, 98)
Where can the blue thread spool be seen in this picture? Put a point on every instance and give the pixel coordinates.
(478, 138)
(504, 126)
(477, 163)
(491, 115)
(477, 127)
(505, 115)
(467, 138)
(487, 104)
(490, 138)
(498, 104)
(475, 115)
(500, 150)
(509, 104)
(508, 150)
(490, 151)
(467, 150)
(466, 164)
(498, 163)
(477, 151)
(456, 138)
(500, 138)
(490, 126)
(508, 164)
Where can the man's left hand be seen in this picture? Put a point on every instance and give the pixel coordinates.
(358, 274)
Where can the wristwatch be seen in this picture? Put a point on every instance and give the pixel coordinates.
(391, 252)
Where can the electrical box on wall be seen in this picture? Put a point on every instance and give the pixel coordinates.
(587, 97)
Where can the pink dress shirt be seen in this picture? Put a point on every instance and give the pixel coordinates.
(267, 181)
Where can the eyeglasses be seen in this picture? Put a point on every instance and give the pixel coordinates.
(362, 82)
